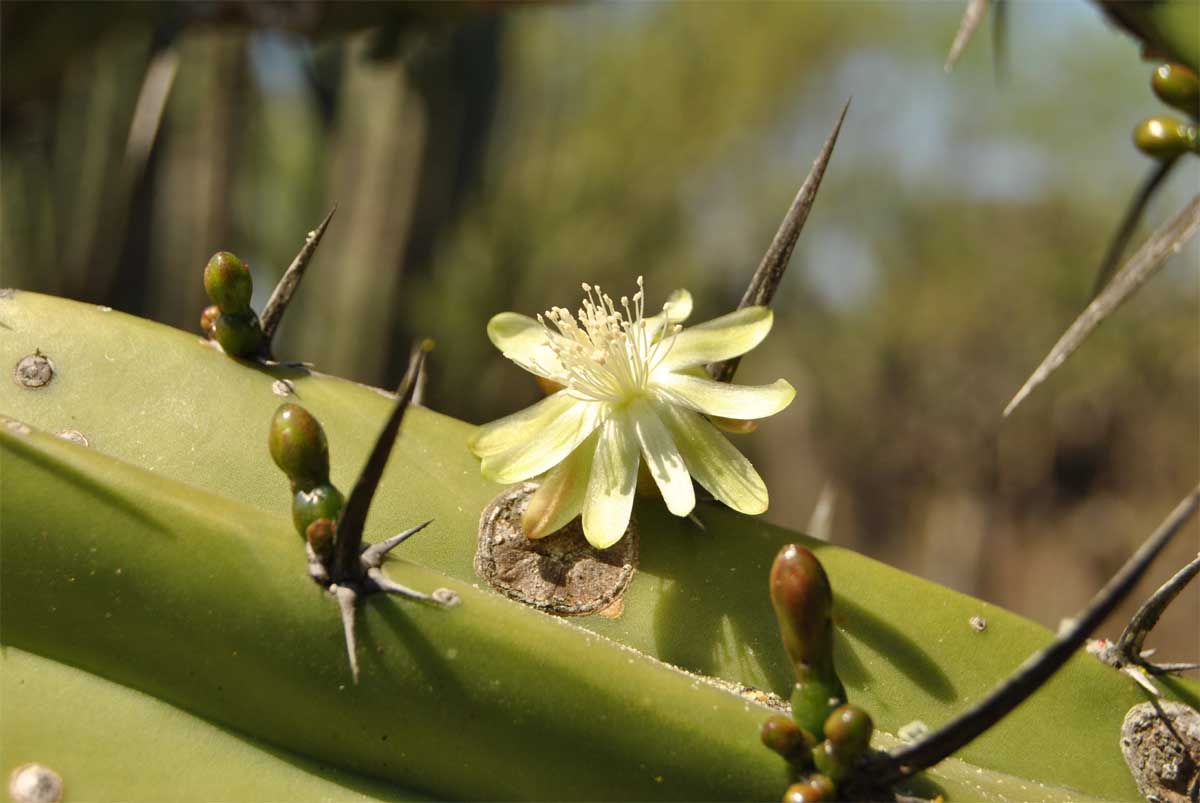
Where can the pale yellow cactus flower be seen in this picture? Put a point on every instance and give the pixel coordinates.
(633, 388)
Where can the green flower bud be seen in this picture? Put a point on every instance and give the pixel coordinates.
(1165, 137)
(319, 535)
(832, 762)
(240, 334)
(322, 502)
(803, 601)
(227, 282)
(298, 446)
(848, 730)
(789, 740)
(1177, 86)
(816, 788)
(208, 321)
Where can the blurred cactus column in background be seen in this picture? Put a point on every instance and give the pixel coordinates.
(411, 123)
(373, 165)
(200, 142)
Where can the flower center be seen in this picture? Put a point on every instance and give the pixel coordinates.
(607, 354)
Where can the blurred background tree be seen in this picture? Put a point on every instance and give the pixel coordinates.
(490, 162)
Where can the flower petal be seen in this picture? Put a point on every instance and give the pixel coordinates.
(560, 496)
(546, 448)
(721, 338)
(678, 308)
(724, 399)
(609, 500)
(714, 461)
(520, 427)
(663, 459)
(524, 341)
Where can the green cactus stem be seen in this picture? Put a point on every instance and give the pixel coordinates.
(134, 388)
(803, 601)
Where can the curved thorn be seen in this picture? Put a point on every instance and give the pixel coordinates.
(281, 296)
(389, 585)
(348, 537)
(372, 556)
(903, 761)
(770, 270)
(1168, 240)
(347, 600)
(1129, 645)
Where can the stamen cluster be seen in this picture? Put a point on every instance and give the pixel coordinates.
(606, 354)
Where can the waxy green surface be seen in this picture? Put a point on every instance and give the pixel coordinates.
(199, 601)
(168, 402)
(111, 742)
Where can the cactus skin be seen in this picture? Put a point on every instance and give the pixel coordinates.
(904, 646)
(98, 735)
(491, 700)
(803, 601)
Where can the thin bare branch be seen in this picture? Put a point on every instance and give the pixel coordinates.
(1129, 645)
(1168, 240)
(1133, 215)
(974, 14)
(956, 734)
(770, 270)
(348, 538)
(281, 296)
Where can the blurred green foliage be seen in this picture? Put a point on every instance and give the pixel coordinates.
(499, 163)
